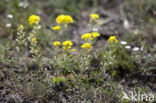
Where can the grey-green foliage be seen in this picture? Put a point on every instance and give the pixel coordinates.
(117, 61)
(4, 48)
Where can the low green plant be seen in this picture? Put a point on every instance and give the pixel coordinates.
(117, 61)
(59, 79)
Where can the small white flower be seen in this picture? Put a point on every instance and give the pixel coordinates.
(128, 47)
(95, 29)
(46, 70)
(8, 25)
(21, 4)
(123, 42)
(10, 16)
(39, 27)
(135, 48)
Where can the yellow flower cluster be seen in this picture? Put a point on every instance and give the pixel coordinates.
(95, 34)
(67, 45)
(86, 46)
(56, 44)
(64, 19)
(72, 50)
(55, 28)
(33, 40)
(112, 39)
(90, 36)
(21, 27)
(86, 36)
(33, 19)
(94, 16)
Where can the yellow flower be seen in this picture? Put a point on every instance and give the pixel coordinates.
(86, 46)
(112, 39)
(72, 50)
(33, 40)
(64, 19)
(67, 45)
(95, 34)
(86, 36)
(33, 19)
(56, 28)
(21, 27)
(94, 16)
(56, 44)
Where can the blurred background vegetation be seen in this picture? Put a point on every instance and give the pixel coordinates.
(121, 16)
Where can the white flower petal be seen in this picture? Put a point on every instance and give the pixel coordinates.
(8, 25)
(10, 16)
(39, 27)
(128, 47)
(135, 48)
(95, 29)
(123, 42)
(21, 4)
